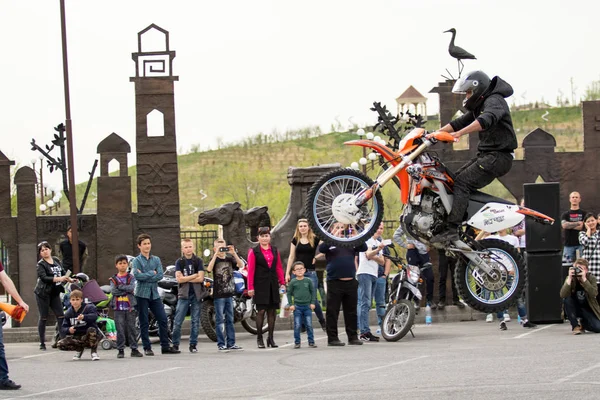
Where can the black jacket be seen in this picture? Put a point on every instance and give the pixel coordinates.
(90, 315)
(494, 117)
(45, 275)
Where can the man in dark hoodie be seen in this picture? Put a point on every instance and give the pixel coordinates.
(489, 115)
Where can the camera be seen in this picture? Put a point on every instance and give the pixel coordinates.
(577, 270)
(224, 249)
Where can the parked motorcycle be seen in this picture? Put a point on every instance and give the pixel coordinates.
(404, 299)
(490, 274)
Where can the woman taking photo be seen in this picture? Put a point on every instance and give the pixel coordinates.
(589, 238)
(303, 248)
(265, 283)
(47, 291)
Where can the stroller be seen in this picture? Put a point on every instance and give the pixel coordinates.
(100, 296)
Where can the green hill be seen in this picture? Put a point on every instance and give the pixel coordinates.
(255, 172)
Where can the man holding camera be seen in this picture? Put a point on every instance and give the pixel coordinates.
(579, 293)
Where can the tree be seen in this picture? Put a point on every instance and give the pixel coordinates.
(592, 92)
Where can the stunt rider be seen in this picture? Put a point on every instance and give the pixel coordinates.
(488, 114)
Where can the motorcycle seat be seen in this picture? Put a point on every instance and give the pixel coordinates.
(480, 197)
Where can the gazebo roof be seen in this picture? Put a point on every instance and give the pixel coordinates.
(411, 95)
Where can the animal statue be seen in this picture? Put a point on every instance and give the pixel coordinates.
(234, 222)
(458, 52)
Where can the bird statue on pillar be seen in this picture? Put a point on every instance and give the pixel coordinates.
(458, 52)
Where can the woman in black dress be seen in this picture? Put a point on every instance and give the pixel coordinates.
(265, 283)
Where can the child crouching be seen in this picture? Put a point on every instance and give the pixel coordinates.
(79, 327)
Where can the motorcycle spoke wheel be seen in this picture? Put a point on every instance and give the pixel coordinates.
(398, 320)
(499, 290)
(331, 200)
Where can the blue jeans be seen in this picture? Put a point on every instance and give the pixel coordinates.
(573, 309)
(380, 298)
(318, 310)
(182, 308)
(3, 363)
(366, 289)
(521, 309)
(569, 252)
(224, 306)
(303, 315)
(157, 308)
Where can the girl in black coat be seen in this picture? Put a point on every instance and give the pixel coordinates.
(47, 291)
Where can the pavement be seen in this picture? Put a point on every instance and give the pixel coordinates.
(454, 360)
(449, 314)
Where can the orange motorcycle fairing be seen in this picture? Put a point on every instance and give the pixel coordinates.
(392, 157)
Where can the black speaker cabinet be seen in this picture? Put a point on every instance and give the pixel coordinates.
(544, 198)
(544, 304)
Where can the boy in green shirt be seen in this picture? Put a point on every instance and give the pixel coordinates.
(301, 299)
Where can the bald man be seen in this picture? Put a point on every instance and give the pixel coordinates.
(572, 223)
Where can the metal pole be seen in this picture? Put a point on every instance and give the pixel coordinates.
(42, 181)
(69, 132)
(364, 167)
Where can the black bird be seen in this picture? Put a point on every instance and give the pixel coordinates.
(458, 52)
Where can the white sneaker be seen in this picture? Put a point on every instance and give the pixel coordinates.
(95, 357)
(506, 317)
(489, 318)
(77, 355)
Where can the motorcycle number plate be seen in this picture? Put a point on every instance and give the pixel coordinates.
(494, 217)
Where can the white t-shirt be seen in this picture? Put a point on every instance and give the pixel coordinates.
(510, 239)
(366, 266)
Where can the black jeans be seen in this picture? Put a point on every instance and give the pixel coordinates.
(574, 310)
(45, 304)
(158, 310)
(341, 293)
(446, 264)
(476, 174)
(126, 329)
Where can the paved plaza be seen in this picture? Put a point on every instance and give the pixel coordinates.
(463, 360)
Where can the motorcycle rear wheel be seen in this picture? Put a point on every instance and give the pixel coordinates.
(494, 294)
(338, 189)
(250, 325)
(398, 320)
(207, 319)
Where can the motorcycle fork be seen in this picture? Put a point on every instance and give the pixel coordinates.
(475, 258)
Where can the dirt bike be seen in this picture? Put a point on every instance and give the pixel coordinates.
(490, 274)
(404, 299)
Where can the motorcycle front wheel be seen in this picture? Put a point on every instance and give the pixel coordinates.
(398, 320)
(331, 200)
(487, 293)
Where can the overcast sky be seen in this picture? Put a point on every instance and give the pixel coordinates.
(255, 66)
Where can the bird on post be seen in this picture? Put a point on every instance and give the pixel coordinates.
(458, 52)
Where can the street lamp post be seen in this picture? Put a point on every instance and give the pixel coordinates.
(69, 133)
